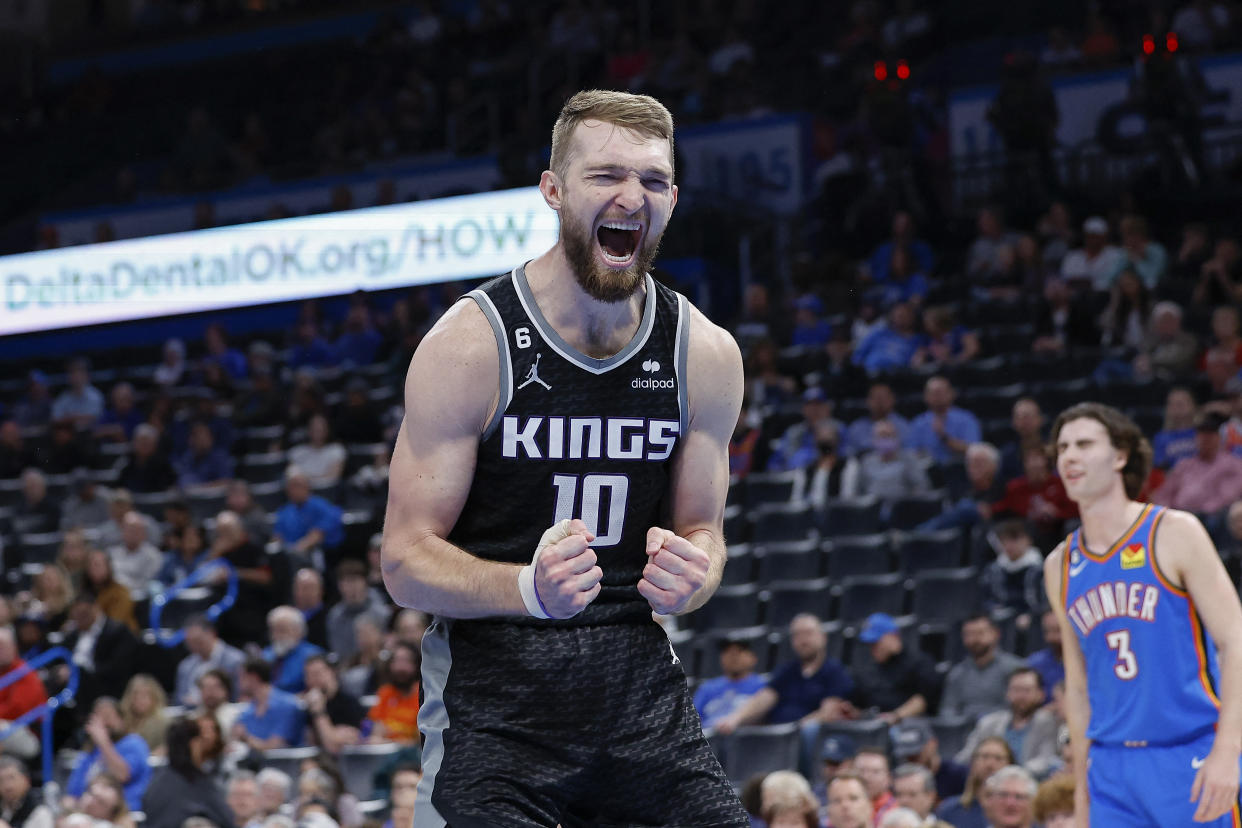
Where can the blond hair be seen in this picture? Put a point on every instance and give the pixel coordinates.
(128, 714)
(641, 113)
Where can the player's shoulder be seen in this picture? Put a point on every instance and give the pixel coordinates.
(710, 344)
(1055, 559)
(458, 355)
(1179, 532)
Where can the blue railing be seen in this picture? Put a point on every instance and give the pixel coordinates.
(171, 638)
(48, 708)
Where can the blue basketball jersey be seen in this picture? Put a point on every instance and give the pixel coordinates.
(1152, 675)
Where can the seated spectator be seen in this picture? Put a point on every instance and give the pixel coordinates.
(191, 554)
(230, 359)
(723, 695)
(81, 403)
(16, 700)
(242, 797)
(1007, 798)
(1167, 352)
(206, 652)
(1093, 266)
(895, 681)
(362, 672)
(72, 556)
(1176, 441)
(1038, 497)
(887, 471)
(15, 455)
(915, 789)
(1226, 339)
(943, 341)
(240, 501)
(1207, 482)
(889, 347)
(104, 804)
(147, 469)
(335, 716)
(271, 718)
(409, 625)
(104, 650)
(1124, 321)
(977, 684)
(810, 329)
(183, 788)
(203, 463)
(1145, 257)
(308, 600)
(943, 431)
(256, 590)
(275, 791)
(836, 756)
(171, 370)
(20, 805)
(1220, 276)
(1049, 661)
(135, 561)
(321, 458)
(830, 475)
(113, 599)
(797, 447)
(142, 710)
(1028, 425)
(215, 693)
(871, 763)
(69, 449)
(880, 405)
(985, 488)
(1054, 803)
(744, 443)
(307, 521)
(966, 811)
(904, 237)
(986, 253)
(358, 419)
(114, 751)
(395, 713)
(768, 387)
(263, 404)
(1061, 324)
(286, 628)
(34, 407)
(914, 742)
(1014, 581)
(121, 503)
(1202, 25)
(52, 594)
(310, 349)
(404, 793)
(37, 511)
(87, 507)
(357, 600)
(849, 805)
(122, 417)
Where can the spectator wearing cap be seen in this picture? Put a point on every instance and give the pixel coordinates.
(272, 718)
(914, 742)
(810, 329)
(797, 447)
(357, 600)
(1014, 581)
(896, 682)
(81, 403)
(976, 684)
(892, 346)
(808, 689)
(307, 521)
(1026, 725)
(881, 403)
(206, 652)
(721, 696)
(915, 788)
(943, 431)
(20, 807)
(1207, 482)
(836, 756)
(1093, 265)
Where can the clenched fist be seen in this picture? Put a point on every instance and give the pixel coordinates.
(676, 569)
(566, 575)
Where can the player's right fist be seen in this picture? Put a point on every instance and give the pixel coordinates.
(566, 574)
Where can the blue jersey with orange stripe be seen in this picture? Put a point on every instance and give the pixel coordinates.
(1152, 675)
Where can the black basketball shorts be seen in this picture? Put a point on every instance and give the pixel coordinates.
(584, 726)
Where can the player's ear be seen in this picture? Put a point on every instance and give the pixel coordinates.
(550, 186)
(1123, 457)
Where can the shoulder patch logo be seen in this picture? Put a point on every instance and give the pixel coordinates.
(1133, 556)
(533, 375)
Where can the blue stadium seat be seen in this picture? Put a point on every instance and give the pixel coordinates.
(39, 548)
(952, 732)
(789, 598)
(263, 468)
(909, 512)
(854, 516)
(768, 487)
(730, 608)
(917, 551)
(859, 555)
(739, 566)
(780, 522)
(862, 595)
(759, 749)
(153, 503)
(736, 526)
(946, 596)
(260, 439)
(992, 402)
(790, 560)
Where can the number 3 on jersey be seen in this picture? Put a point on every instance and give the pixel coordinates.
(587, 505)
(1127, 666)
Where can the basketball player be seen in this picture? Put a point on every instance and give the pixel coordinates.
(561, 474)
(1145, 607)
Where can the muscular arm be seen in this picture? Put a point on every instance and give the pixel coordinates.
(700, 474)
(451, 389)
(1077, 707)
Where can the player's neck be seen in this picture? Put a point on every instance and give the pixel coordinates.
(597, 329)
(1105, 519)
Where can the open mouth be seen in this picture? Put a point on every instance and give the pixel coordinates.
(618, 241)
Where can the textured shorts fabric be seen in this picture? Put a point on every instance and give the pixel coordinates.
(581, 726)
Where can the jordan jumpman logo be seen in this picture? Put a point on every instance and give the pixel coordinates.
(533, 375)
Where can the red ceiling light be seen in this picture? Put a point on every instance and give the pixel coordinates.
(903, 70)
(1149, 44)
(1170, 41)
(881, 70)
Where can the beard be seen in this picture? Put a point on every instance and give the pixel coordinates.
(600, 282)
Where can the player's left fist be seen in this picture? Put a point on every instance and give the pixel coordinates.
(676, 569)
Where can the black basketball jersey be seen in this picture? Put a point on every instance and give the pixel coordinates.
(577, 437)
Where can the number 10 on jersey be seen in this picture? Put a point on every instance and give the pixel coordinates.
(583, 495)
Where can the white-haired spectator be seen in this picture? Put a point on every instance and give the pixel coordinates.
(275, 792)
(307, 521)
(1167, 351)
(242, 796)
(914, 787)
(38, 511)
(135, 560)
(1008, 798)
(984, 488)
(147, 469)
(308, 600)
(362, 671)
(901, 818)
(289, 649)
(172, 368)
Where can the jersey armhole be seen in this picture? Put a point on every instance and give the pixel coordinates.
(1164, 579)
(506, 363)
(681, 349)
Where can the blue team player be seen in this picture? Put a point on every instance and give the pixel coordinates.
(1152, 631)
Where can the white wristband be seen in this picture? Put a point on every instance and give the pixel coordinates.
(530, 597)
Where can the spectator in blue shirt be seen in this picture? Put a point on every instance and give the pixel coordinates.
(890, 347)
(272, 717)
(796, 448)
(943, 431)
(809, 328)
(121, 755)
(905, 282)
(903, 236)
(121, 417)
(231, 360)
(1176, 441)
(287, 654)
(307, 521)
(359, 341)
(880, 404)
(81, 402)
(1049, 661)
(203, 464)
(720, 696)
(310, 349)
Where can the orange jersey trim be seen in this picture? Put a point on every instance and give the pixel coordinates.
(1120, 542)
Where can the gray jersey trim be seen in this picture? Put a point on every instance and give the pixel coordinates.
(433, 719)
(567, 351)
(506, 362)
(681, 350)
